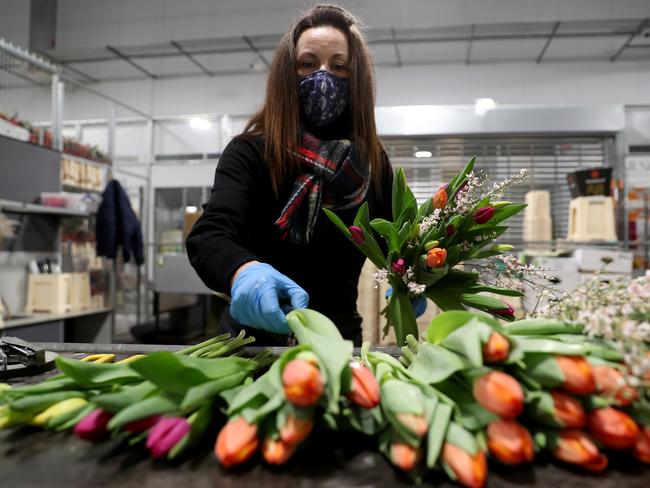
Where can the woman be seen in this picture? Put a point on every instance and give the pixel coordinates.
(263, 237)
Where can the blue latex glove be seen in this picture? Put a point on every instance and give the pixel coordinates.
(256, 294)
(418, 304)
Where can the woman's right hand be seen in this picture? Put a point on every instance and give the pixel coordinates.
(256, 291)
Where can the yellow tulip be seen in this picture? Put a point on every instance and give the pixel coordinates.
(57, 409)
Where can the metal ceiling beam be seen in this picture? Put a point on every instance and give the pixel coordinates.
(255, 50)
(79, 72)
(123, 56)
(191, 58)
(469, 44)
(548, 42)
(639, 29)
(25, 77)
(397, 54)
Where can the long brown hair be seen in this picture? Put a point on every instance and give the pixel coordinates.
(278, 120)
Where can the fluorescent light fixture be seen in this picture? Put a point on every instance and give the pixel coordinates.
(484, 105)
(423, 154)
(191, 209)
(200, 123)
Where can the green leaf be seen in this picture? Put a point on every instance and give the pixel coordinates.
(508, 292)
(399, 192)
(437, 433)
(461, 437)
(95, 374)
(80, 415)
(549, 346)
(205, 392)
(402, 397)
(387, 230)
(434, 364)
(460, 178)
(61, 384)
(468, 341)
(478, 238)
(541, 408)
(445, 323)
(432, 276)
(338, 222)
(544, 369)
(156, 405)
(199, 422)
(542, 327)
(482, 302)
(304, 321)
(115, 401)
(34, 404)
(401, 316)
(55, 422)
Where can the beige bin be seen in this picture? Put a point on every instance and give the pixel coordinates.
(80, 292)
(49, 293)
(538, 225)
(592, 219)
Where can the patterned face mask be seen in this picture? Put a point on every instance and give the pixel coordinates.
(323, 97)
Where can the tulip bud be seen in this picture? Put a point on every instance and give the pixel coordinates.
(613, 428)
(436, 257)
(405, 456)
(496, 349)
(483, 215)
(413, 422)
(365, 389)
(578, 376)
(611, 382)
(166, 434)
(93, 426)
(568, 411)
(499, 393)
(451, 230)
(430, 245)
(439, 199)
(576, 447)
(641, 448)
(141, 425)
(303, 384)
(399, 266)
(236, 442)
(506, 312)
(356, 234)
(296, 429)
(276, 451)
(58, 409)
(470, 471)
(510, 442)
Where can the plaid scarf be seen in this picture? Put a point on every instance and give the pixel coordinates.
(331, 177)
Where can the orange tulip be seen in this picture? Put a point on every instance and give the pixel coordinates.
(568, 411)
(414, 423)
(296, 429)
(641, 448)
(436, 257)
(613, 428)
(576, 447)
(276, 451)
(365, 389)
(499, 393)
(496, 349)
(470, 471)
(236, 442)
(578, 375)
(439, 199)
(510, 442)
(611, 382)
(302, 381)
(405, 456)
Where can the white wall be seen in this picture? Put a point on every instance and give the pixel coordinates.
(14, 21)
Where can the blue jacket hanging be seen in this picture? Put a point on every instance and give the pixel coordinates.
(117, 225)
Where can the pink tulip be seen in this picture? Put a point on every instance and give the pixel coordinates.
(483, 215)
(399, 266)
(357, 235)
(93, 426)
(141, 425)
(167, 432)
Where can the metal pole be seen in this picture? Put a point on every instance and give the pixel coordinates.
(110, 105)
(148, 216)
(58, 91)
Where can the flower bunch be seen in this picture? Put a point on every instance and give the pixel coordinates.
(427, 244)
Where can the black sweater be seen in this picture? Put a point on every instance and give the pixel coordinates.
(237, 226)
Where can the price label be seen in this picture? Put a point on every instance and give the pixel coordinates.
(637, 171)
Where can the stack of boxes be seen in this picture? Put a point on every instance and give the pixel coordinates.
(538, 225)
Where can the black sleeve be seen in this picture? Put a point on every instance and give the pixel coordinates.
(214, 245)
(386, 196)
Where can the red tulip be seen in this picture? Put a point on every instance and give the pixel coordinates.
(499, 393)
(611, 382)
(356, 234)
(302, 381)
(578, 375)
(415, 423)
(365, 389)
(93, 426)
(483, 215)
(296, 429)
(166, 434)
(470, 471)
(404, 456)
(613, 428)
(439, 199)
(436, 257)
(496, 349)
(236, 442)
(276, 451)
(505, 312)
(568, 411)
(641, 448)
(510, 442)
(399, 266)
(575, 447)
(451, 230)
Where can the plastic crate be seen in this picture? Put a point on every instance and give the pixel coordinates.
(49, 293)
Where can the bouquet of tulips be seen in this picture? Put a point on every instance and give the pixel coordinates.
(427, 244)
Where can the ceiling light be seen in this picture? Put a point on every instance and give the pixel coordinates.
(199, 123)
(483, 106)
(423, 154)
(191, 209)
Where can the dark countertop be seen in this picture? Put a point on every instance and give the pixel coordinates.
(34, 458)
